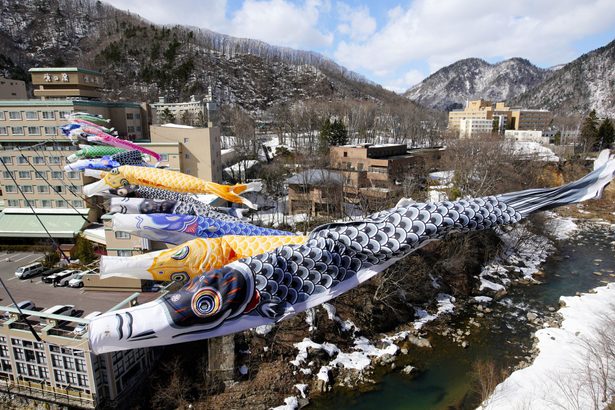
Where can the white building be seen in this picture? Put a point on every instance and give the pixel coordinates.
(192, 112)
(527, 136)
(471, 127)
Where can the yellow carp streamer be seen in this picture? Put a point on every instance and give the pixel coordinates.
(192, 258)
(171, 180)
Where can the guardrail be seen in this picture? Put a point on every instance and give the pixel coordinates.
(40, 391)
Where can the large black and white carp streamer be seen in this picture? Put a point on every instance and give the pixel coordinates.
(272, 286)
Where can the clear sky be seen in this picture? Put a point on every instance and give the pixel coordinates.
(398, 43)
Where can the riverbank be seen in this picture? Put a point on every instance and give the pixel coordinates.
(575, 365)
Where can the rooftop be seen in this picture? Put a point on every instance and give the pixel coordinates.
(63, 70)
(315, 177)
(27, 225)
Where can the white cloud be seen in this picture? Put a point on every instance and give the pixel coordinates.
(403, 83)
(281, 22)
(356, 23)
(441, 32)
(278, 22)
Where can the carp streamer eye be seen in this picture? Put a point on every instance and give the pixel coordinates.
(180, 277)
(206, 302)
(181, 254)
(114, 171)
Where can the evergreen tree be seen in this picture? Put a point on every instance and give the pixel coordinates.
(167, 116)
(606, 134)
(325, 136)
(339, 133)
(84, 251)
(589, 131)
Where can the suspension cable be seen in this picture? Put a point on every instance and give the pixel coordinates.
(55, 244)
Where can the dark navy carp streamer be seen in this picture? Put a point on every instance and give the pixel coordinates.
(176, 229)
(272, 286)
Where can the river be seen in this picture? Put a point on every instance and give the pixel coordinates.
(504, 336)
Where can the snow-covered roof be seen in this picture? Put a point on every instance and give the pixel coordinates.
(171, 125)
(315, 176)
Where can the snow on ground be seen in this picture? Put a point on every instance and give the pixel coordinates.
(562, 375)
(301, 387)
(559, 227)
(534, 150)
(290, 403)
(445, 303)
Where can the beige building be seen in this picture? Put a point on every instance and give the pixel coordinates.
(34, 150)
(199, 149)
(12, 89)
(374, 171)
(480, 111)
(61, 370)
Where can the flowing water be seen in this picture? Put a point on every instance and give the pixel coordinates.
(445, 379)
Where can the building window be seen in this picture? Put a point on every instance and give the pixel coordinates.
(4, 131)
(2, 118)
(38, 160)
(17, 130)
(31, 115)
(55, 160)
(137, 116)
(129, 116)
(60, 203)
(164, 157)
(345, 153)
(21, 160)
(30, 202)
(186, 140)
(130, 129)
(27, 189)
(187, 156)
(44, 372)
(59, 189)
(41, 174)
(10, 189)
(59, 376)
(138, 128)
(50, 131)
(48, 115)
(7, 175)
(14, 115)
(43, 189)
(63, 114)
(73, 174)
(124, 253)
(14, 203)
(74, 189)
(122, 235)
(7, 160)
(56, 174)
(78, 203)
(24, 175)
(46, 203)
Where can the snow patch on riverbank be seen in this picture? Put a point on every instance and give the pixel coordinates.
(559, 227)
(566, 372)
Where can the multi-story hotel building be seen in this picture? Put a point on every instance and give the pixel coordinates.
(477, 113)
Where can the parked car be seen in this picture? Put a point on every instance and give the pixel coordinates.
(83, 328)
(50, 271)
(65, 310)
(23, 305)
(65, 280)
(54, 277)
(77, 280)
(29, 270)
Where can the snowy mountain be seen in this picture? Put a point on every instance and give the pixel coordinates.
(142, 61)
(585, 84)
(473, 78)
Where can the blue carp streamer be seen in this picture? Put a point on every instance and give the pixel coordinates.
(176, 229)
(337, 257)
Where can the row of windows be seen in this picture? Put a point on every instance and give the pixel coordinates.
(44, 203)
(131, 129)
(40, 174)
(34, 115)
(131, 116)
(40, 189)
(23, 160)
(34, 130)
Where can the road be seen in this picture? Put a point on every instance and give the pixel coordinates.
(45, 295)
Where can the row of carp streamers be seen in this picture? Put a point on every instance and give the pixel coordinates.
(239, 276)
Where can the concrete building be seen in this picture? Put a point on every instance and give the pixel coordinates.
(473, 127)
(12, 89)
(192, 112)
(61, 370)
(505, 117)
(315, 192)
(374, 171)
(199, 149)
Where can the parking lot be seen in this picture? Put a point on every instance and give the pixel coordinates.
(44, 295)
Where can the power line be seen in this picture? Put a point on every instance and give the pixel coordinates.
(55, 244)
(24, 317)
(47, 182)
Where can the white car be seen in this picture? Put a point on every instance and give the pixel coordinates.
(77, 280)
(83, 328)
(29, 270)
(23, 305)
